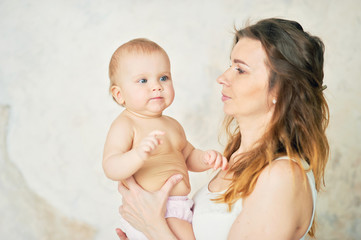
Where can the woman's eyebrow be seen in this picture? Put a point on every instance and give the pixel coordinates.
(240, 61)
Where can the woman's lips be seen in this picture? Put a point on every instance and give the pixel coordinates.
(225, 98)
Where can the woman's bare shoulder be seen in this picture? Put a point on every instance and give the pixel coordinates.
(279, 194)
(281, 172)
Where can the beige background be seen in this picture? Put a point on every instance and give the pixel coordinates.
(55, 110)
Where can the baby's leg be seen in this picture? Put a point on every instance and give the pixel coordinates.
(182, 229)
(179, 216)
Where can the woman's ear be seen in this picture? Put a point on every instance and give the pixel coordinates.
(117, 95)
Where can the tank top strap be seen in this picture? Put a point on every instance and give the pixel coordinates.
(303, 162)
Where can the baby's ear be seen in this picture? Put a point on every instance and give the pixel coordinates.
(117, 95)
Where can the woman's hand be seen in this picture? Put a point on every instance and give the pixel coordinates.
(145, 210)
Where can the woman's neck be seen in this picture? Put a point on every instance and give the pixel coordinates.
(252, 129)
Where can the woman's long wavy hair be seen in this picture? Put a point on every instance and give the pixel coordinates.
(301, 114)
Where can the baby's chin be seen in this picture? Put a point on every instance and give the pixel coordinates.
(146, 114)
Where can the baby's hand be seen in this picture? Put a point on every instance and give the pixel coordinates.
(149, 143)
(215, 160)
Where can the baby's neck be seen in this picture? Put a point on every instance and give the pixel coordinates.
(132, 113)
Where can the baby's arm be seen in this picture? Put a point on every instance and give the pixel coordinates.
(198, 160)
(120, 161)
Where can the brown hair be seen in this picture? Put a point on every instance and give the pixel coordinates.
(137, 45)
(301, 115)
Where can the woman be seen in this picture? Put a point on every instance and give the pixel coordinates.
(276, 116)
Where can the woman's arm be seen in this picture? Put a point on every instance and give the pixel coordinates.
(145, 210)
(280, 207)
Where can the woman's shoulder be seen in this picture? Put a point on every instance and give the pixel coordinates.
(282, 177)
(281, 185)
(281, 171)
(279, 193)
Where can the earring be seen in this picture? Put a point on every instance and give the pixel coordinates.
(274, 101)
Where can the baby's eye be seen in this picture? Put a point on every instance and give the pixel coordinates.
(142, 80)
(163, 78)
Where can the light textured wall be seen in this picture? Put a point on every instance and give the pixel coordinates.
(55, 109)
(24, 214)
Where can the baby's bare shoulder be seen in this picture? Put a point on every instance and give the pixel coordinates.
(173, 123)
(170, 120)
(122, 121)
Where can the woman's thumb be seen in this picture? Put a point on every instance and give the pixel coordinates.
(170, 183)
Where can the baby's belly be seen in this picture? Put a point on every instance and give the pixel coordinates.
(158, 169)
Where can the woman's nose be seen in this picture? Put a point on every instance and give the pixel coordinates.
(223, 79)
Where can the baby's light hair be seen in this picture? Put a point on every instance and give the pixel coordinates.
(137, 45)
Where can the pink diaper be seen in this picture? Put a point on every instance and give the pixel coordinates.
(180, 207)
(177, 206)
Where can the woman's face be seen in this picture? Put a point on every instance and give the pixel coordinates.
(245, 83)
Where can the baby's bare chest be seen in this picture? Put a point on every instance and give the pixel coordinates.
(173, 138)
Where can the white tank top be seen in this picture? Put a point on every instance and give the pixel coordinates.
(213, 220)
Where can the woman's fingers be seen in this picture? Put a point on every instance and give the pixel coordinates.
(122, 188)
(140, 207)
(127, 186)
(170, 183)
(131, 183)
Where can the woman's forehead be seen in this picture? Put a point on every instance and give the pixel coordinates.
(249, 51)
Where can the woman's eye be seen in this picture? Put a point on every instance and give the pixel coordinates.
(238, 70)
(142, 80)
(163, 78)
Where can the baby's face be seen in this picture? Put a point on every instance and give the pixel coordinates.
(145, 83)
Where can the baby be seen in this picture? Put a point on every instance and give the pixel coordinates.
(144, 143)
